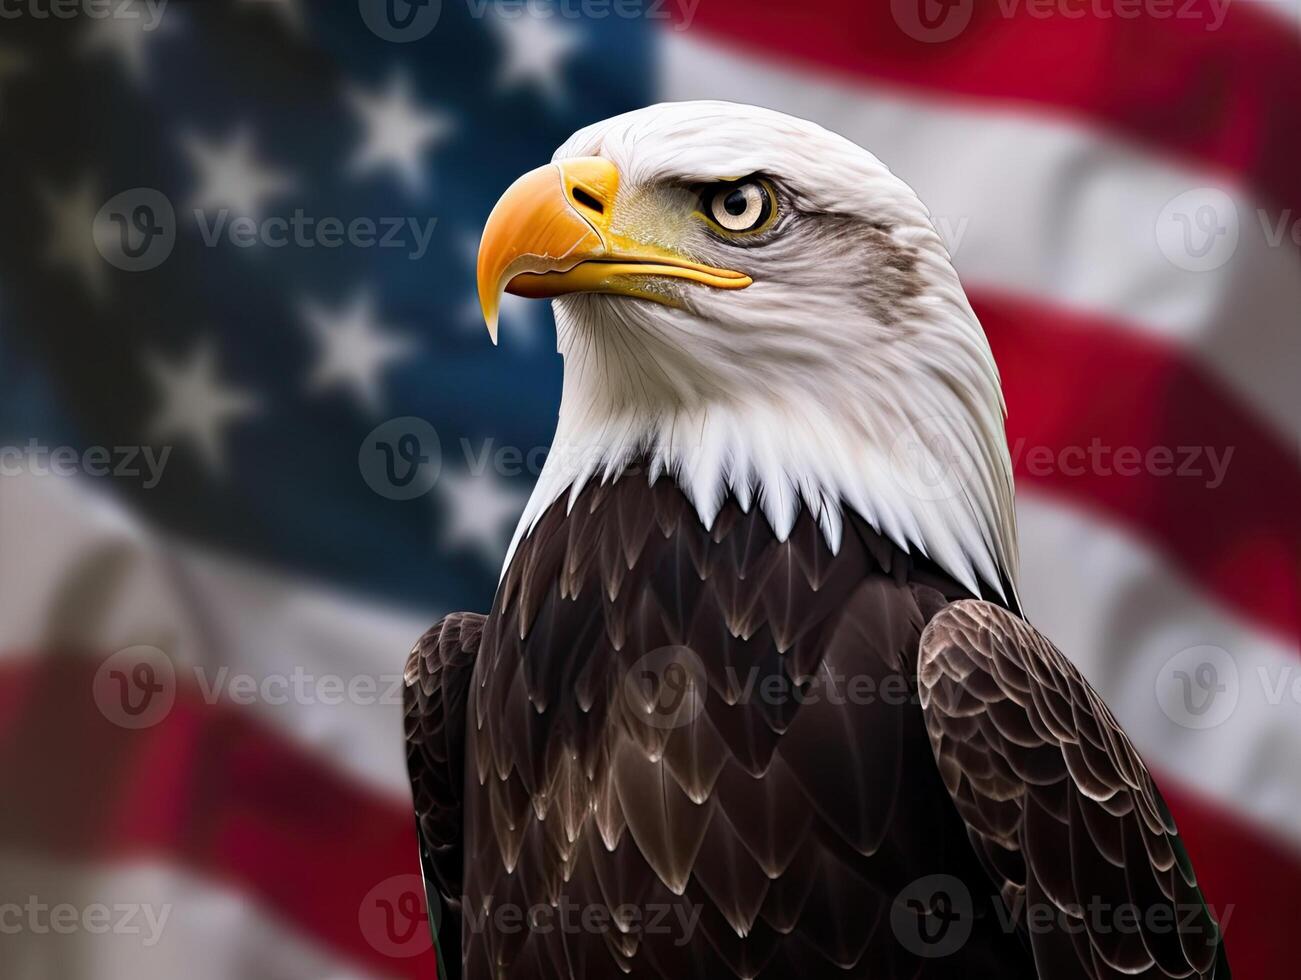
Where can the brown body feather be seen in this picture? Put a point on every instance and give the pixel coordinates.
(678, 752)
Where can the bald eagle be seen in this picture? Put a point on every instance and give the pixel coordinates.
(756, 697)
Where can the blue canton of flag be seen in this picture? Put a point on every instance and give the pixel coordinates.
(298, 190)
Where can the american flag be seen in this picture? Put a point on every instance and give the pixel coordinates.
(253, 437)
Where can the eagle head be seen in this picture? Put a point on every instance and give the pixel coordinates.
(762, 309)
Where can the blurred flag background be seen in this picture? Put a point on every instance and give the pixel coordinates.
(254, 439)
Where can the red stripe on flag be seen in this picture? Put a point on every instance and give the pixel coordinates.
(1086, 398)
(210, 789)
(1224, 97)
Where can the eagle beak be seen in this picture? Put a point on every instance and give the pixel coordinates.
(550, 234)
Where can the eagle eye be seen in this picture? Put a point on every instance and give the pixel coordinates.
(740, 207)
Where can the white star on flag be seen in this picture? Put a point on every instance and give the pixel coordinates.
(231, 177)
(353, 349)
(480, 512)
(536, 50)
(125, 33)
(71, 241)
(196, 405)
(397, 132)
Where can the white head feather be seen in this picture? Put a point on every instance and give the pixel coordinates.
(852, 374)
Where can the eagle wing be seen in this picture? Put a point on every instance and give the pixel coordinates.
(1061, 810)
(437, 678)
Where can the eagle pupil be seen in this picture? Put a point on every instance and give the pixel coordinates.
(737, 203)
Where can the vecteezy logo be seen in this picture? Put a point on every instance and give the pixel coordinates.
(929, 461)
(1199, 687)
(1198, 230)
(932, 916)
(136, 230)
(401, 21)
(666, 688)
(932, 21)
(392, 917)
(136, 687)
(401, 458)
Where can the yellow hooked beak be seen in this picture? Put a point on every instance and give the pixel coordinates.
(550, 234)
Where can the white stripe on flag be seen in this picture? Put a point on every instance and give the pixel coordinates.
(144, 921)
(1129, 622)
(321, 667)
(1061, 213)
